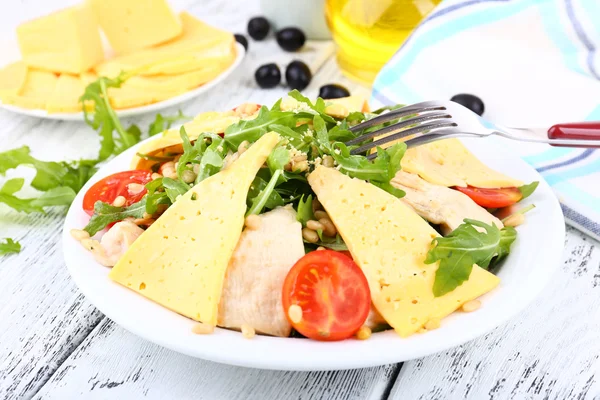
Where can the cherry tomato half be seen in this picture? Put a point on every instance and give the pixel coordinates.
(492, 198)
(332, 292)
(109, 188)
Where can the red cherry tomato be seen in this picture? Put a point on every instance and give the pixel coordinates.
(109, 188)
(492, 198)
(332, 292)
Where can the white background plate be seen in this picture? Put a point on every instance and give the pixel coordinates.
(535, 256)
(173, 101)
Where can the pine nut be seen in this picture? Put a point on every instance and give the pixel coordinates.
(203, 329)
(243, 147)
(253, 222)
(321, 248)
(156, 176)
(328, 227)
(328, 162)
(295, 313)
(471, 306)
(309, 235)
(188, 176)
(321, 214)
(316, 205)
(515, 220)
(135, 188)
(248, 331)
(314, 225)
(363, 333)
(300, 166)
(79, 234)
(90, 244)
(432, 324)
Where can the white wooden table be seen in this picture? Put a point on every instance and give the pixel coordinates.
(55, 345)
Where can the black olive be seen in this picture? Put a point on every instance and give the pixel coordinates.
(258, 28)
(333, 91)
(268, 76)
(241, 39)
(469, 101)
(290, 39)
(297, 75)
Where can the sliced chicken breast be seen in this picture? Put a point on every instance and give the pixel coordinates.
(439, 204)
(254, 278)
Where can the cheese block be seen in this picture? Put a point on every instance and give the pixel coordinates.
(352, 103)
(389, 242)
(129, 96)
(197, 37)
(37, 90)
(12, 78)
(66, 94)
(132, 24)
(65, 41)
(449, 163)
(169, 143)
(180, 261)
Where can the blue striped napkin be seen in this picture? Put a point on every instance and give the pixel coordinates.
(534, 63)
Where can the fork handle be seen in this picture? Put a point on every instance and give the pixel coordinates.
(583, 131)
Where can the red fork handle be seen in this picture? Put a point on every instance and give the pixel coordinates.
(589, 130)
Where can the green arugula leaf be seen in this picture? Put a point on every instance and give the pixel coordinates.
(260, 201)
(174, 188)
(49, 174)
(252, 129)
(464, 247)
(305, 211)
(154, 197)
(258, 185)
(336, 243)
(7, 197)
(527, 190)
(278, 158)
(9, 246)
(162, 123)
(58, 196)
(105, 214)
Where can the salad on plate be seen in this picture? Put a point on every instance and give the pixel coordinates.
(260, 220)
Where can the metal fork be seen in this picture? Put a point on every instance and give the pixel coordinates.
(435, 120)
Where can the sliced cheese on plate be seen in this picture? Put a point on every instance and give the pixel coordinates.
(12, 78)
(389, 242)
(66, 94)
(65, 41)
(37, 90)
(180, 261)
(132, 24)
(449, 163)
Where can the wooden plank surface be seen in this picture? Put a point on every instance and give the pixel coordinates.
(551, 351)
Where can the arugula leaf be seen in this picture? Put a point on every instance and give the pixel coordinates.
(162, 123)
(9, 246)
(252, 129)
(335, 243)
(49, 174)
(527, 190)
(318, 108)
(105, 214)
(174, 188)
(305, 211)
(105, 119)
(278, 158)
(58, 196)
(154, 198)
(464, 247)
(55, 196)
(260, 201)
(258, 185)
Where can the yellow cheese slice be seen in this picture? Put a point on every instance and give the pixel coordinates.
(389, 242)
(352, 103)
(181, 260)
(66, 94)
(65, 41)
(128, 96)
(449, 163)
(169, 143)
(197, 37)
(12, 78)
(36, 91)
(174, 83)
(133, 24)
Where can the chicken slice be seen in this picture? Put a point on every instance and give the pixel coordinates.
(115, 242)
(439, 204)
(254, 278)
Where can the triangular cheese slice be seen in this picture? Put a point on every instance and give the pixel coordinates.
(180, 261)
(389, 242)
(449, 163)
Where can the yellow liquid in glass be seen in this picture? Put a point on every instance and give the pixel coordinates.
(369, 32)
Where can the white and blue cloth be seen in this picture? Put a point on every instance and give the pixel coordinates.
(534, 63)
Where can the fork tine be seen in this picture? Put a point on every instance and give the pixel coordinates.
(427, 138)
(394, 114)
(403, 134)
(397, 127)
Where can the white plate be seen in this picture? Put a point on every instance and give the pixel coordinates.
(154, 107)
(523, 275)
